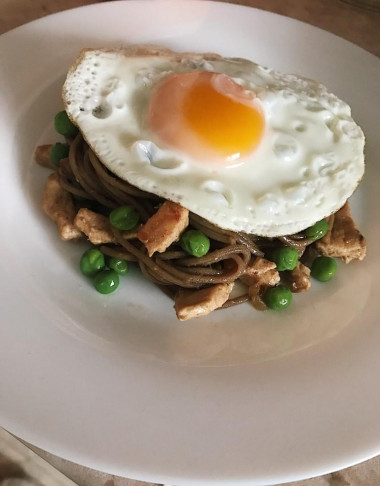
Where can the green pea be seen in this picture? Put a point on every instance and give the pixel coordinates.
(106, 281)
(59, 151)
(195, 243)
(285, 257)
(120, 266)
(323, 268)
(318, 230)
(124, 218)
(64, 126)
(277, 298)
(91, 262)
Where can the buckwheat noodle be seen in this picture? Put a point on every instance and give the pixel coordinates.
(92, 183)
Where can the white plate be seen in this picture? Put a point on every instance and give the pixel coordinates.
(115, 382)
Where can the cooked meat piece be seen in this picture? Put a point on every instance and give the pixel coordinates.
(59, 206)
(42, 156)
(343, 240)
(298, 280)
(197, 303)
(259, 275)
(164, 227)
(262, 271)
(95, 226)
(256, 296)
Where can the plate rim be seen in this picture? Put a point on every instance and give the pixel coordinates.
(48, 20)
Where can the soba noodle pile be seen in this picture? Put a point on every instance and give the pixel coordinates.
(92, 185)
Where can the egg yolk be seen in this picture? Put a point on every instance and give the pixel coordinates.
(207, 116)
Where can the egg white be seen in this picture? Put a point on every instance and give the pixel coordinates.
(308, 163)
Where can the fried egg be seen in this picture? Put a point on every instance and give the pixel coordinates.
(245, 147)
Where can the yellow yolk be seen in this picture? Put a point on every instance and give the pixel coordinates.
(206, 115)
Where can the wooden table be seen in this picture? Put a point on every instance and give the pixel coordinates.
(355, 24)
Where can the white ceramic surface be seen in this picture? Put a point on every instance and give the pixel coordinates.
(115, 382)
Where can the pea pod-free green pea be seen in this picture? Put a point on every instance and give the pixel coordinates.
(277, 298)
(58, 152)
(323, 268)
(64, 126)
(285, 257)
(318, 230)
(91, 262)
(120, 266)
(124, 218)
(106, 281)
(195, 243)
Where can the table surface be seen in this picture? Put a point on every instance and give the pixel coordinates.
(356, 24)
